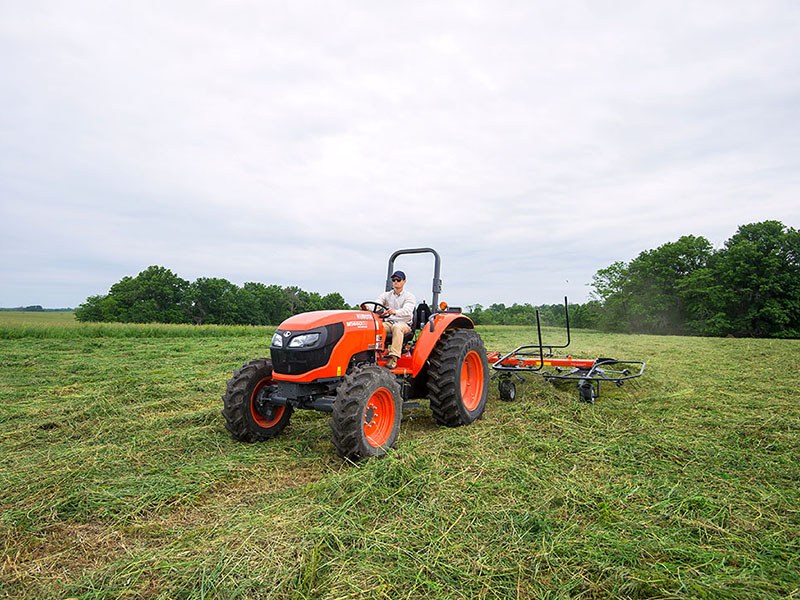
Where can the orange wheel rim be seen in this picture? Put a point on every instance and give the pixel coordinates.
(472, 380)
(379, 418)
(261, 420)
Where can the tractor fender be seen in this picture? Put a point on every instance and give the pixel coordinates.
(428, 338)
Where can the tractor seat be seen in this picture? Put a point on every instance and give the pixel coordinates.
(421, 315)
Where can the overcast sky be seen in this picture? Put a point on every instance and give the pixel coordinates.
(301, 143)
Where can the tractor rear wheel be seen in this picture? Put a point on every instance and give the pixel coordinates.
(366, 413)
(458, 378)
(249, 415)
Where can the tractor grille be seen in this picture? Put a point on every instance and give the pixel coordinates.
(296, 361)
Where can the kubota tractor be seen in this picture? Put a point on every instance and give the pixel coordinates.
(334, 361)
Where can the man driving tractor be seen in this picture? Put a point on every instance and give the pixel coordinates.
(400, 305)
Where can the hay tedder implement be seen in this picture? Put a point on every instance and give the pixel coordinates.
(540, 359)
(336, 361)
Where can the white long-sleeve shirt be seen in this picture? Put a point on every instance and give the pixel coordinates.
(403, 304)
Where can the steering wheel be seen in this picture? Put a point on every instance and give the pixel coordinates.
(378, 308)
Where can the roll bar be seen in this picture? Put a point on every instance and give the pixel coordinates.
(437, 266)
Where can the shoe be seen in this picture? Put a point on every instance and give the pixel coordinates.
(391, 363)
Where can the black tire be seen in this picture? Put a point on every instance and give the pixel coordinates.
(507, 389)
(587, 393)
(366, 413)
(458, 378)
(250, 417)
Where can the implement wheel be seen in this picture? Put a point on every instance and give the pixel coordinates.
(366, 413)
(458, 378)
(507, 389)
(249, 415)
(587, 393)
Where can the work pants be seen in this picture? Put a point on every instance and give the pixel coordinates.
(398, 329)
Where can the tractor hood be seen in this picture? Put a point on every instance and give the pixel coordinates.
(322, 344)
(321, 318)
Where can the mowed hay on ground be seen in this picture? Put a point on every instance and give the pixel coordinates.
(119, 480)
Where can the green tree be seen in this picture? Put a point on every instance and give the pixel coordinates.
(585, 316)
(611, 287)
(158, 295)
(645, 296)
(212, 300)
(656, 304)
(475, 312)
(610, 281)
(753, 285)
(154, 296)
(333, 301)
(312, 301)
(91, 309)
(296, 299)
(750, 287)
(250, 304)
(276, 304)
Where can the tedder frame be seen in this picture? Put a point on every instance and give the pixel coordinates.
(540, 359)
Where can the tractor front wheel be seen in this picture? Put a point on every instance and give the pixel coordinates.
(366, 413)
(249, 415)
(458, 378)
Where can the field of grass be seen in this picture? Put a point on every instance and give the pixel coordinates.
(118, 480)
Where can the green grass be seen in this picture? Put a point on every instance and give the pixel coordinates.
(62, 325)
(118, 480)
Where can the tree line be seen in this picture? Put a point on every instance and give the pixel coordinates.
(582, 316)
(157, 295)
(748, 288)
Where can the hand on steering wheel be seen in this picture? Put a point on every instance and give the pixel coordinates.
(378, 308)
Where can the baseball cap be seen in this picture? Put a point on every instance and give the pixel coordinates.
(399, 274)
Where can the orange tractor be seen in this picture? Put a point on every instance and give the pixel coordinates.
(334, 361)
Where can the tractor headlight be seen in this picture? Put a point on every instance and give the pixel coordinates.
(304, 341)
(277, 340)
